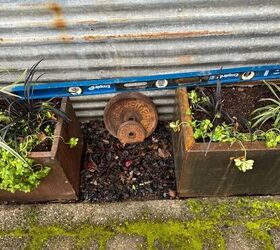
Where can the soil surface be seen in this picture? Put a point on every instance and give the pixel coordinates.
(241, 101)
(44, 146)
(116, 172)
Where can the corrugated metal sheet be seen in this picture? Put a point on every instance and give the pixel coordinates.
(92, 107)
(101, 39)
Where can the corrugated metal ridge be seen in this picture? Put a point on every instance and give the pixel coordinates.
(92, 107)
(118, 34)
(103, 39)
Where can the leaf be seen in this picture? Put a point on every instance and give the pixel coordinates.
(91, 166)
(163, 153)
(175, 126)
(6, 89)
(5, 146)
(58, 112)
(42, 136)
(172, 125)
(128, 163)
(271, 111)
(271, 100)
(242, 164)
(73, 141)
(172, 193)
(270, 86)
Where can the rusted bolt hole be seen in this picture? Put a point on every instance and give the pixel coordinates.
(131, 134)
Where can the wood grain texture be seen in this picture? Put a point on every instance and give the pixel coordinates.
(214, 174)
(62, 184)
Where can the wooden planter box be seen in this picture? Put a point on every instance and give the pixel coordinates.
(62, 183)
(215, 174)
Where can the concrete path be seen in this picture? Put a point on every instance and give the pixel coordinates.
(230, 223)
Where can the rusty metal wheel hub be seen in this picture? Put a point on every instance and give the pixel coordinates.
(131, 117)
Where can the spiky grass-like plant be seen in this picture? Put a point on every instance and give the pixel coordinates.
(271, 111)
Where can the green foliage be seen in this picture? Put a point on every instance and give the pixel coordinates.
(17, 171)
(73, 141)
(175, 126)
(217, 130)
(205, 225)
(272, 138)
(243, 164)
(7, 148)
(270, 111)
(25, 124)
(48, 130)
(194, 97)
(223, 133)
(16, 174)
(4, 118)
(201, 128)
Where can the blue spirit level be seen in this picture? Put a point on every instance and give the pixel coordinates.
(153, 82)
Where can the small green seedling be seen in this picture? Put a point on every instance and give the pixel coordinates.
(272, 138)
(175, 126)
(194, 97)
(73, 141)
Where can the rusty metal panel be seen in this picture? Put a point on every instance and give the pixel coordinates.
(100, 39)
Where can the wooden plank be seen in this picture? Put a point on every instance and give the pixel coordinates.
(214, 174)
(62, 184)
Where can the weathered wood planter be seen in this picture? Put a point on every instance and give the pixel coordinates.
(215, 174)
(62, 184)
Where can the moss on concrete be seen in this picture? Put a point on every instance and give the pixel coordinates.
(205, 227)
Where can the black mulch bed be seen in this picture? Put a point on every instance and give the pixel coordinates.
(116, 172)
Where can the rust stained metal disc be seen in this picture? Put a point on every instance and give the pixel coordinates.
(131, 132)
(130, 107)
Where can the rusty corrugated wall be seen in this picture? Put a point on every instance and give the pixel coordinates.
(101, 39)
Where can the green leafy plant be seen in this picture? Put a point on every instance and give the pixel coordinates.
(272, 138)
(243, 164)
(270, 111)
(221, 133)
(24, 125)
(176, 126)
(194, 97)
(7, 148)
(220, 127)
(73, 141)
(16, 172)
